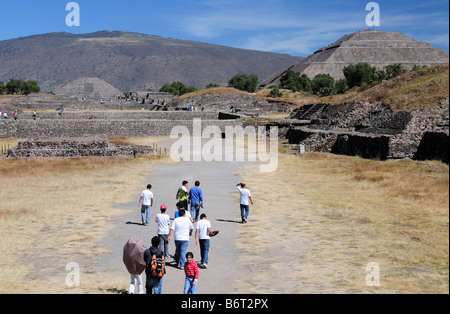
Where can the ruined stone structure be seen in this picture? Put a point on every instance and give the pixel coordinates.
(371, 130)
(88, 88)
(246, 103)
(377, 48)
(74, 147)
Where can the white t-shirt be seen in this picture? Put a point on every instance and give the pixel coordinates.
(181, 227)
(163, 221)
(147, 197)
(202, 227)
(245, 194)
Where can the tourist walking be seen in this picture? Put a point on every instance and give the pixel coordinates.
(155, 261)
(245, 197)
(183, 194)
(202, 235)
(136, 280)
(196, 198)
(192, 273)
(145, 204)
(181, 230)
(180, 205)
(163, 221)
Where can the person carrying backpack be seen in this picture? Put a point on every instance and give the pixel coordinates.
(156, 264)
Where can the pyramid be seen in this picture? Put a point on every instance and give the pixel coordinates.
(378, 48)
(88, 88)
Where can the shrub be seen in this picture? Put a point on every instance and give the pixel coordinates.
(295, 82)
(177, 89)
(360, 73)
(323, 85)
(275, 92)
(244, 82)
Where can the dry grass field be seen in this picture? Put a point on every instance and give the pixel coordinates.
(316, 223)
(55, 209)
(320, 219)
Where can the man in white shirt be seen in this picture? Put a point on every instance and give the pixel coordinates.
(145, 204)
(181, 229)
(163, 221)
(245, 196)
(203, 234)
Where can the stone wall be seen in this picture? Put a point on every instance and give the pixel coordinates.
(97, 128)
(373, 130)
(74, 148)
(244, 102)
(121, 115)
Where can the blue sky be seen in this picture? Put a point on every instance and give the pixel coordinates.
(295, 27)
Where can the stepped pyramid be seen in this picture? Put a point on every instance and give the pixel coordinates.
(88, 88)
(378, 48)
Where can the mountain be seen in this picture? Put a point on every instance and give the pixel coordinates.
(378, 48)
(129, 61)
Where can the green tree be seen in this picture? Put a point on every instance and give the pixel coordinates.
(244, 82)
(394, 70)
(360, 73)
(177, 88)
(323, 85)
(30, 86)
(211, 85)
(341, 86)
(275, 92)
(14, 86)
(2, 88)
(295, 82)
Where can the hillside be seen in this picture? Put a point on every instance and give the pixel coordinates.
(414, 90)
(129, 61)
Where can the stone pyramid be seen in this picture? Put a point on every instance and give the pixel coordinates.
(378, 48)
(88, 88)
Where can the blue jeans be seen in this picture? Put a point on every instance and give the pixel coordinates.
(154, 284)
(195, 210)
(245, 210)
(180, 252)
(145, 213)
(189, 287)
(204, 250)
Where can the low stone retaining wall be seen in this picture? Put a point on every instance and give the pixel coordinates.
(99, 128)
(74, 148)
(121, 115)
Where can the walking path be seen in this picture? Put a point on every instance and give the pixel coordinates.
(220, 205)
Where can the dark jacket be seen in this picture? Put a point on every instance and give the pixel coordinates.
(148, 254)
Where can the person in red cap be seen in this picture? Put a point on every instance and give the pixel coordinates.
(163, 221)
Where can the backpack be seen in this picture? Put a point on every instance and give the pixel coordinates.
(157, 265)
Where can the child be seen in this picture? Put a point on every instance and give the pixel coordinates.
(191, 271)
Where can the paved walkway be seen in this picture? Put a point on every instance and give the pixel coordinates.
(218, 185)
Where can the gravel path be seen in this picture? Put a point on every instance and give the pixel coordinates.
(220, 195)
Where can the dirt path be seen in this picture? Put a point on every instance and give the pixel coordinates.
(218, 185)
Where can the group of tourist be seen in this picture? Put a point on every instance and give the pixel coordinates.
(4, 115)
(180, 231)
